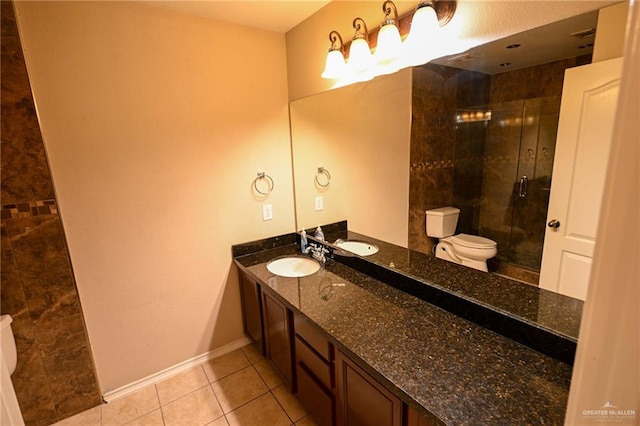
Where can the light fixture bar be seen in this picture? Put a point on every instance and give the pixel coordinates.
(445, 10)
(362, 67)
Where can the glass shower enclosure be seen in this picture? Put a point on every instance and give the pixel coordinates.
(519, 147)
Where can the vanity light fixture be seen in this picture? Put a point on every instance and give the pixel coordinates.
(421, 44)
(335, 65)
(389, 44)
(360, 59)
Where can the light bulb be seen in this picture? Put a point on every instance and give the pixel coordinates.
(420, 45)
(335, 65)
(359, 56)
(389, 44)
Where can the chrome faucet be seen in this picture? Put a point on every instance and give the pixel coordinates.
(318, 252)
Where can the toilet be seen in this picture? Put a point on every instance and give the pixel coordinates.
(9, 410)
(468, 250)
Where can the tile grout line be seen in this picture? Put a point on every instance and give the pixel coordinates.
(274, 395)
(219, 406)
(291, 422)
(251, 365)
(155, 387)
(215, 395)
(252, 399)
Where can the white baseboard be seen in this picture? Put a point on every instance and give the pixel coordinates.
(126, 390)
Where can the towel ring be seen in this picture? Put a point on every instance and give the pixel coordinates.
(325, 172)
(271, 185)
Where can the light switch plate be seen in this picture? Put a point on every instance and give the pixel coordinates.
(267, 212)
(319, 203)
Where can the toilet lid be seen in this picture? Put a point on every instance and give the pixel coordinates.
(473, 241)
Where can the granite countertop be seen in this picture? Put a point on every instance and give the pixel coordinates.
(543, 320)
(545, 309)
(457, 371)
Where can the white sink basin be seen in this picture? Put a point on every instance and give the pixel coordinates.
(293, 266)
(361, 248)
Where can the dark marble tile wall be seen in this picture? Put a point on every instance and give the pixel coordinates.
(539, 81)
(472, 94)
(445, 167)
(18, 122)
(55, 376)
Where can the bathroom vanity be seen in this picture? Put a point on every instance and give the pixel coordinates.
(357, 350)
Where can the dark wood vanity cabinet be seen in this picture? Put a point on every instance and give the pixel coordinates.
(331, 387)
(277, 320)
(315, 371)
(268, 323)
(415, 418)
(252, 311)
(362, 400)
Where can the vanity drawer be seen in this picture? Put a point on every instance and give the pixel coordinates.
(314, 398)
(317, 366)
(313, 337)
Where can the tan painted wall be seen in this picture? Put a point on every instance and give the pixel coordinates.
(366, 154)
(155, 124)
(475, 22)
(612, 23)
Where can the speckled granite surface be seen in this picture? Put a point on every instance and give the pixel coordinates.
(544, 320)
(457, 371)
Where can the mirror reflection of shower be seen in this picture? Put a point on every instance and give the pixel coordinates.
(517, 172)
(485, 143)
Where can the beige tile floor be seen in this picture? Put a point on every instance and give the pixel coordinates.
(237, 389)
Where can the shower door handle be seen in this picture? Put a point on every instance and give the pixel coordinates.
(524, 183)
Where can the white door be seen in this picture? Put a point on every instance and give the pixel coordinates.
(585, 128)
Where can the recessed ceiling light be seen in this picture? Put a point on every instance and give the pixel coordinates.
(513, 46)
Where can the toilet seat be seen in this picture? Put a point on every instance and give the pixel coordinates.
(469, 250)
(464, 249)
(472, 241)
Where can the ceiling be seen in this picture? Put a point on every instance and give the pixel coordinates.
(274, 15)
(567, 38)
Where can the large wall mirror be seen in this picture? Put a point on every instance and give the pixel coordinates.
(476, 131)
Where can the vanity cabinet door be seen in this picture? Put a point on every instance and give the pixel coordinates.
(414, 418)
(362, 401)
(252, 311)
(278, 338)
(318, 401)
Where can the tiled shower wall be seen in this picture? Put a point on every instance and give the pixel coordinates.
(55, 376)
(446, 162)
(472, 164)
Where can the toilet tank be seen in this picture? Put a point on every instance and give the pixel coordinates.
(442, 222)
